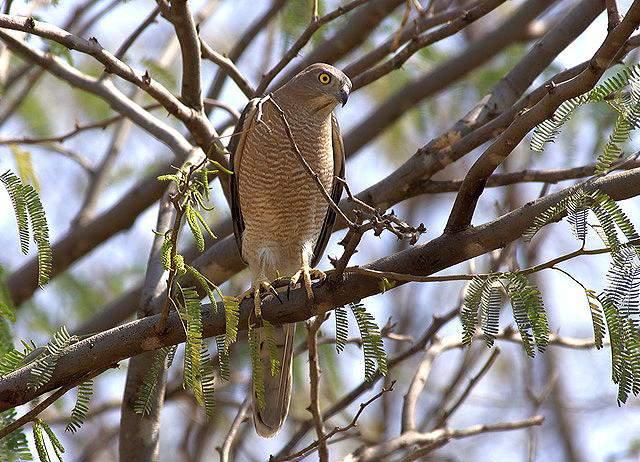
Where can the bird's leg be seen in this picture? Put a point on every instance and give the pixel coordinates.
(307, 273)
(256, 290)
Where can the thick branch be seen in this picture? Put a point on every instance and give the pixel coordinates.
(475, 181)
(447, 250)
(179, 13)
(105, 90)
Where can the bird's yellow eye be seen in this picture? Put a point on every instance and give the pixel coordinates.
(324, 78)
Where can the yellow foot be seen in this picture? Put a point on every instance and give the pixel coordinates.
(255, 291)
(307, 275)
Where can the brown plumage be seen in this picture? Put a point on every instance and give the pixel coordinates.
(281, 220)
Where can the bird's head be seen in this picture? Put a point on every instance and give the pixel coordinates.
(321, 86)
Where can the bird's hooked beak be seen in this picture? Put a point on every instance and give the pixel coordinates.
(344, 95)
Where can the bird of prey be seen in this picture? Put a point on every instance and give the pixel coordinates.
(281, 219)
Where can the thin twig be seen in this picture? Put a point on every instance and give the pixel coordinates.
(228, 66)
(79, 128)
(467, 277)
(225, 450)
(304, 38)
(465, 393)
(354, 422)
(314, 385)
(52, 398)
(613, 16)
(421, 41)
(417, 386)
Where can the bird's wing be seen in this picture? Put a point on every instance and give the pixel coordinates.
(336, 191)
(235, 147)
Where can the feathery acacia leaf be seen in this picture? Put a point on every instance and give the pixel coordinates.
(207, 379)
(13, 447)
(165, 251)
(194, 226)
(81, 408)
(597, 317)
(232, 318)
(272, 347)
(40, 230)
(210, 288)
(612, 149)
(372, 345)
(223, 357)
(257, 369)
(490, 304)
(40, 429)
(342, 328)
(548, 130)
(44, 366)
(528, 312)
(470, 308)
(16, 194)
(143, 403)
(192, 314)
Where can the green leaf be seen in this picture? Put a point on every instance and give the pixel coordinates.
(192, 313)
(16, 194)
(372, 345)
(194, 226)
(613, 149)
(270, 340)
(206, 285)
(14, 446)
(342, 328)
(165, 251)
(44, 366)
(40, 231)
(223, 357)
(81, 408)
(528, 312)
(547, 131)
(143, 404)
(597, 318)
(232, 318)
(257, 368)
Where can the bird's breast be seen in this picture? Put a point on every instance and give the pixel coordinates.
(280, 201)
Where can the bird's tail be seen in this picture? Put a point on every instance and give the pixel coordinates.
(277, 387)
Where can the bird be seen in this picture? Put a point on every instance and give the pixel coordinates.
(282, 218)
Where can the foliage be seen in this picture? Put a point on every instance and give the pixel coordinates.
(372, 345)
(257, 369)
(223, 357)
(191, 183)
(41, 433)
(143, 404)
(610, 91)
(617, 308)
(483, 302)
(342, 328)
(44, 366)
(13, 447)
(28, 209)
(81, 408)
(272, 347)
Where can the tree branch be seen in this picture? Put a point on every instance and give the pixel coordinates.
(105, 90)
(475, 181)
(447, 250)
(179, 14)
